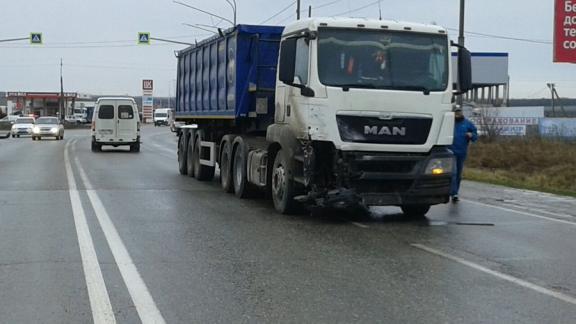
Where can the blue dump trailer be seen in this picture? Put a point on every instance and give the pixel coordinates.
(322, 113)
(230, 77)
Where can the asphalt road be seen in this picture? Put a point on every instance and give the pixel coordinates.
(119, 236)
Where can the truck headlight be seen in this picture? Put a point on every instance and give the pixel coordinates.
(36, 130)
(439, 166)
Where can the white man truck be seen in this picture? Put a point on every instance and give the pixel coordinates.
(325, 112)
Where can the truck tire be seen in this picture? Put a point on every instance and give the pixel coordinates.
(282, 185)
(242, 188)
(190, 157)
(201, 171)
(182, 155)
(225, 164)
(415, 211)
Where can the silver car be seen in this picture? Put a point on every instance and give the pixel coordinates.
(22, 126)
(48, 127)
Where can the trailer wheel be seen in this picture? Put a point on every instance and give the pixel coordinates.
(190, 158)
(182, 156)
(415, 211)
(225, 163)
(283, 191)
(242, 189)
(201, 171)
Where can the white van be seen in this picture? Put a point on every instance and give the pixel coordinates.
(161, 116)
(116, 122)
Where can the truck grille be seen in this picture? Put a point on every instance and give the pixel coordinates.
(358, 129)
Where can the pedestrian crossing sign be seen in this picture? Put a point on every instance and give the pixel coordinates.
(144, 38)
(36, 38)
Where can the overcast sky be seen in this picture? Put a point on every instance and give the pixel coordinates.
(97, 38)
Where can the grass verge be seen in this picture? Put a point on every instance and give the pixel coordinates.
(525, 163)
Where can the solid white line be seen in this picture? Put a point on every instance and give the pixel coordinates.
(521, 212)
(97, 293)
(141, 297)
(500, 275)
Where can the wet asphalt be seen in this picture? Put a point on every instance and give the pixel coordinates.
(498, 256)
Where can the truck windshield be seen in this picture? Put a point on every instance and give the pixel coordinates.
(161, 115)
(383, 59)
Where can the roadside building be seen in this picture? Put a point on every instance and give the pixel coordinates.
(39, 103)
(490, 79)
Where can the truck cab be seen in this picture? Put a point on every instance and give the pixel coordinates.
(370, 102)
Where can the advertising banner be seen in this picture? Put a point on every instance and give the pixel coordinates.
(565, 31)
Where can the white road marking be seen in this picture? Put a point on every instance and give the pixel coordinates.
(520, 212)
(359, 225)
(97, 293)
(143, 301)
(500, 275)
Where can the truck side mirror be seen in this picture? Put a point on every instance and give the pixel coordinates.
(287, 61)
(464, 70)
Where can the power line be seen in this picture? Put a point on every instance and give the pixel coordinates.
(506, 37)
(357, 9)
(279, 12)
(327, 4)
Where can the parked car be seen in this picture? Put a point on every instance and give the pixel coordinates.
(116, 122)
(22, 126)
(48, 127)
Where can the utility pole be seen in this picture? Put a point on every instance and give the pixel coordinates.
(297, 9)
(460, 99)
(309, 11)
(380, 9)
(62, 108)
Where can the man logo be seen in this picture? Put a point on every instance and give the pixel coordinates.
(385, 130)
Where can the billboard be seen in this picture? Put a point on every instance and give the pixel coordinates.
(565, 31)
(558, 127)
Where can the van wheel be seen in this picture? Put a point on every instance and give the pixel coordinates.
(242, 188)
(135, 147)
(33, 137)
(202, 172)
(225, 163)
(415, 211)
(96, 147)
(283, 187)
(182, 156)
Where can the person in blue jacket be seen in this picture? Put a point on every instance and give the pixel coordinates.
(464, 133)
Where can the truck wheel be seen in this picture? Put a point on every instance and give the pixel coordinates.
(225, 170)
(283, 185)
(182, 156)
(202, 172)
(242, 189)
(415, 211)
(190, 158)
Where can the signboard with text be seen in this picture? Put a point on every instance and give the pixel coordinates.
(147, 100)
(565, 31)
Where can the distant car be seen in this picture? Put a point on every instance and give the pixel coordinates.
(22, 126)
(48, 127)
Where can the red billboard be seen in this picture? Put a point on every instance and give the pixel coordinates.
(565, 31)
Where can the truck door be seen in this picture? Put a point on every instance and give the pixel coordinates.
(126, 122)
(296, 104)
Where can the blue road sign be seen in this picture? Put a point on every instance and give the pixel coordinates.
(36, 38)
(144, 38)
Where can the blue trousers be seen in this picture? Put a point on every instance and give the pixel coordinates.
(457, 175)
